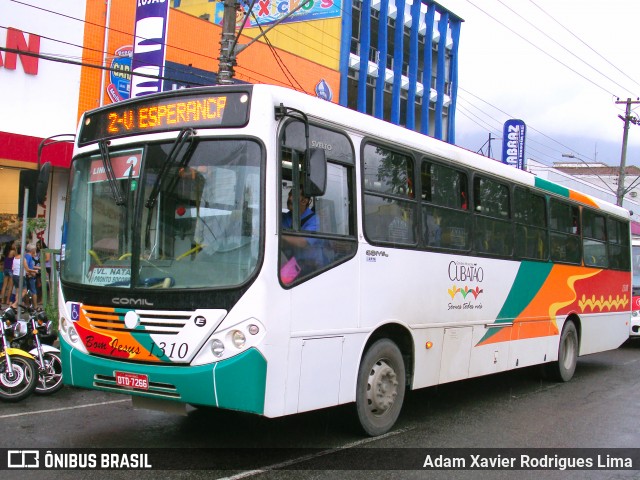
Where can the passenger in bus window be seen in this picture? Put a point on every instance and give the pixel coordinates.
(301, 255)
(308, 218)
(433, 229)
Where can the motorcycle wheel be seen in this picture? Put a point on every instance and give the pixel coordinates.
(50, 376)
(21, 383)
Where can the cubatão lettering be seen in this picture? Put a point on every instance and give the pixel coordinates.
(462, 272)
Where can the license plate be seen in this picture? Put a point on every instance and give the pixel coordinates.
(132, 380)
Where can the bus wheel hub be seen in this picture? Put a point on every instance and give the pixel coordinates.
(383, 387)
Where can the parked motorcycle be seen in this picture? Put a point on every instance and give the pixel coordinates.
(18, 369)
(36, 335)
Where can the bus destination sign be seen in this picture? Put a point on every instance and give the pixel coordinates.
(148, 115)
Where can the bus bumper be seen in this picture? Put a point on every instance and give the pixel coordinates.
(237, 383)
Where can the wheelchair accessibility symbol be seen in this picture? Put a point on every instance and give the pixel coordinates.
(75, 312)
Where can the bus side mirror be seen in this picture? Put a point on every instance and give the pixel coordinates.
(315, 178)
(43, 183)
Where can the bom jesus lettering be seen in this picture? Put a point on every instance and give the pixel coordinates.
(172, 114)
(17, 43)
(111, 348)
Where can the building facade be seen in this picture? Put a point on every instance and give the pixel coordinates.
(394, 59)
(59, 58)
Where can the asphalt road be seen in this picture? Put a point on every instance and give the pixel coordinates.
(599, 408)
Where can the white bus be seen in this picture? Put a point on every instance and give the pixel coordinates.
(186, 281)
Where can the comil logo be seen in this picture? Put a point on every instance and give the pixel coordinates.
(23, 459)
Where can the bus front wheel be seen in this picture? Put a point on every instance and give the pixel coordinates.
(380, 387)
(563, 369)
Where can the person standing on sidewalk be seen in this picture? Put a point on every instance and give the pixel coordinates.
(31, 271)
(7, 282)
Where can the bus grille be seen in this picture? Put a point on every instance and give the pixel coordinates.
(153, 321)
(157, 389)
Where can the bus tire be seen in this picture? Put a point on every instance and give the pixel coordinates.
(380, 388)
(564, 368)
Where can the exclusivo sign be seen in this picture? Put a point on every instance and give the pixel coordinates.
(513, 143)
(149, 46)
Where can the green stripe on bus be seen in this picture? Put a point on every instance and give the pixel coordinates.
(242, 384)
(237, 383)
(529, 279)
(552, 187)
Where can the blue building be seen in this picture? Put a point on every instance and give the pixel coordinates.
(402, 64)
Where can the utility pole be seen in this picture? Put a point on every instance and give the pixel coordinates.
(481, 150)
(628, 118)
(229, 47)
(489, 148)
(227, 40)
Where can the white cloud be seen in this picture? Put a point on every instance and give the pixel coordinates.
(508, 63)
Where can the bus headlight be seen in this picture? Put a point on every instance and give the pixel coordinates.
(217, 347)
(254, 329)
(63, 324)
(635, 313)
(231, 341)
(73, 335)
(238, 338)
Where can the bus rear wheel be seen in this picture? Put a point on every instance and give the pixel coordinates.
(380, 387)
(564, 368)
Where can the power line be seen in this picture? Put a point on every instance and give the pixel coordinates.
(105, 27)
(530, 138)
(287, 73)
(560, 45)
(583, 42)
(110, 69)
(542, 50)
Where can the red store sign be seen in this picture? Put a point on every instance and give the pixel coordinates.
(17, 43)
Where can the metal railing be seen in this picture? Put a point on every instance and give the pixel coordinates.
(49, 290)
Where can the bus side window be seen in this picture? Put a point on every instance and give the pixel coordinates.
(326, 237)
(594, 243)
(445, 220)
(530, 224)
(618, 237)
(389, 198)
(564, 232)
(493, 232)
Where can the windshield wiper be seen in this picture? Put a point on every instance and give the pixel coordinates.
(108, 170)
(185, 135)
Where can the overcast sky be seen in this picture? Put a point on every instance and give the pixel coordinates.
(558, 65)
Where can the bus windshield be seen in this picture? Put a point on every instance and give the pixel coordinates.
(165, 215)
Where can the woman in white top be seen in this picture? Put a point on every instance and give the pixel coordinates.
(15, 270)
